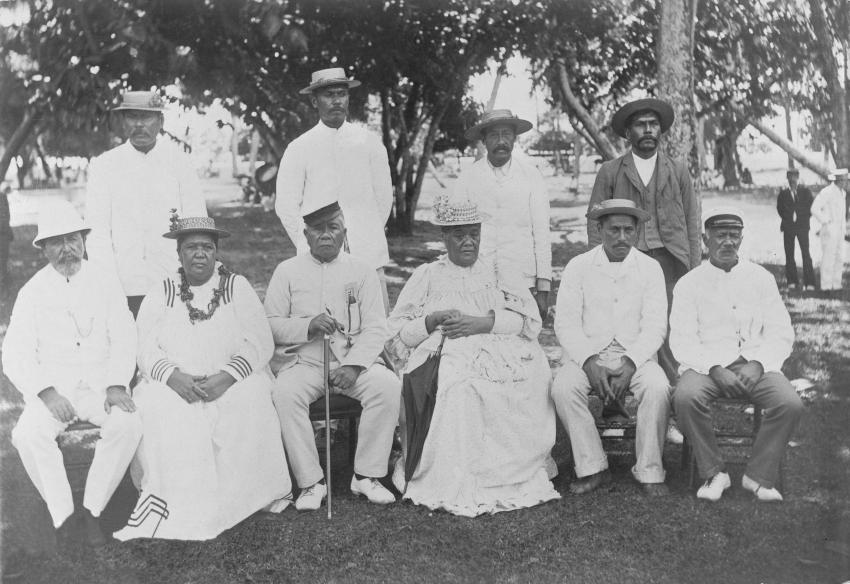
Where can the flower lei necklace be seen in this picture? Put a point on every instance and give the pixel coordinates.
(186, 295)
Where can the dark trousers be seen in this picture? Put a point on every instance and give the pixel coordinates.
(791, 264)
(673, 270)
(134, 303)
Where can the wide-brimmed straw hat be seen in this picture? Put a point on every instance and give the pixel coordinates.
(616, 207)
(325, 77)
(181, 227)
(450, 213)
(663, 109)
(146, 101)
(58, 218)
(499, 116)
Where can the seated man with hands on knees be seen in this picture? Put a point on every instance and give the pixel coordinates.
(731, 332)
(70, 349)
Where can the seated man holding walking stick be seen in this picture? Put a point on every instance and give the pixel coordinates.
(327, 292)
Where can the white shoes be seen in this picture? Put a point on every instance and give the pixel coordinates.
(713, 488)
(762, 494)
(311, 498)
(371, 489)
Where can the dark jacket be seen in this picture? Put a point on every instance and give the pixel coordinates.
(677, 206)
(795, 215)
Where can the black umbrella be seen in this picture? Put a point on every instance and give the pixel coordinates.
(419, 392)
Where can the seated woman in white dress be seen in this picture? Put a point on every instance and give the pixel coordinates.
(493, 425)
(211, 452)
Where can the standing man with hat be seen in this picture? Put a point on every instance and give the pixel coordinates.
(611, 318)
(794, 205)
(326, 292)
(830, 209)
(131, 192)
(657, 184)
(338, 162)
(70, 349)
(513, 203)
(731, 333)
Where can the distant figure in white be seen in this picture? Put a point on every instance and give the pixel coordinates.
(830, 209)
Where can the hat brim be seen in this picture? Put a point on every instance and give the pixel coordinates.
(326, 82)
(638, 214)
(39, 238)
(477, 131)
(193, 230)
(662, 108)
(454, 223)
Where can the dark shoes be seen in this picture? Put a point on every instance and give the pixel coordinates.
(94, 534)
(655, 489)
(590, 483)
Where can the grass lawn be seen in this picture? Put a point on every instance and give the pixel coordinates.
(613, 535)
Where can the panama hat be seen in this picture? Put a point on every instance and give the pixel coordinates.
(325, 77)
(190, 225)
(660, 107)
(499, 116)
(58, 218)
(617, 207)
(146, 101)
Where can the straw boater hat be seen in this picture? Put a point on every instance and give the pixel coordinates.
(325, 77)
(450, 213)
(181, 227)
(58, 218)
(617, 207)
(499, 116)
(662, 108)
(724, 217)
(146, 101)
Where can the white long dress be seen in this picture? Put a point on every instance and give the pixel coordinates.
(208, 464)
(493, 425)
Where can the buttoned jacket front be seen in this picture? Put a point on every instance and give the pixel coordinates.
(719, 316)
(346, 165)
(129, 198)
(795, 212)
(302, 287)
(595, 308)
(676, 206)
(515, 213)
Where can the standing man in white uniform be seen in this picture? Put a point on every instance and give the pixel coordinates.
(70, 350)
(514, 206)
(338, 162)
(830, 209)
(131, 192)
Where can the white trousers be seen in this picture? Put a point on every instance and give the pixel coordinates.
(651, 389)
(379, 392)
(832, 260)
(35, 438)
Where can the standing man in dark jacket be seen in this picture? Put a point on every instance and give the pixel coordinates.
(660, 186)
(794, 205)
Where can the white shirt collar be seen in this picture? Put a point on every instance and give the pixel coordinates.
(645, 167)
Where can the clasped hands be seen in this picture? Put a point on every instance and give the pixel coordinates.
(609, 384)
(194, 388)
(737, 385)
(456, 324)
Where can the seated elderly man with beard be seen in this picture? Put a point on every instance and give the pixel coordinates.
(493, 424)
(70, 350)
(212, 453)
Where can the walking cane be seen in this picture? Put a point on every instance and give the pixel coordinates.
(326, 360)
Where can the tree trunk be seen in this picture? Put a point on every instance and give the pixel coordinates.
(726, 159)
(22, 132)
(598, 138)
(480, 150)
(788, 147)
(234, 145)
(255, 147)
(788, 133)
(675, 56)
(831, 72)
